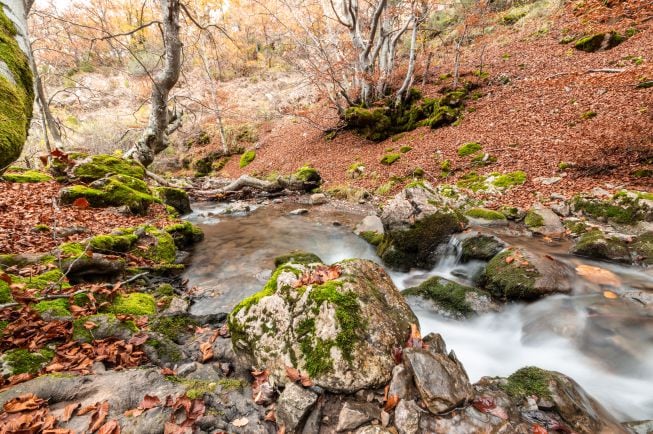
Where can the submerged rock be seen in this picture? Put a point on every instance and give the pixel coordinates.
(480, 247)
(452, 299)
(341, 332)
(416, 222)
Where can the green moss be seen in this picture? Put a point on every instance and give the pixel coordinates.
(166, 350)
(512, 281)
(588, 115)
(511, 179)
(25, 362)
(269, 289)
(71, 250)
(165, 289)
(372, 124)
(116, 190)
(390, 159)
(102, 165)
(480, 247)
(448, 295)
(174, 197)
(597, 41)
(247, 158)
(41, 228)
(511, 18)
(533, 219)
(642, 173)
(623, 210)
(17, 95)
(3, 326)
(136, 303)
(372, 237)
(469, 149)
(484, 213)
(27, 176)
(113, 243)
(297, 257)
(594, 244)
(405, 149)
(59, 307)
(231, 384)
(158, 246)
(43, 281)
(472, 181)
(174, 327)
(529, 381)
(5, 293)
(564, 165)
(386, 187)
(307, 174)
(575, 227)
(185, 234)
(643, 248)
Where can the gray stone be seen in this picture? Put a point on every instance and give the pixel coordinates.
(401, 384)
(353, 415)
(312, 424)
(561, 208)
(177, 306)
(318, 199)
(371, 223)
(374, 429)
(407, 415)
(298, 211)
(440, 379)
(549, 224)
(640, 426)
(293, 407)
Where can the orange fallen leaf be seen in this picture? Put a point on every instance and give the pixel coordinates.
(110, 427)
(69, 410)
(599, 276)
(81, 203)
(391, 403)
(207, 351)
(610, 295)
(510, 259)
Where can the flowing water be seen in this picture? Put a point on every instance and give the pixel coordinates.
(605, 344)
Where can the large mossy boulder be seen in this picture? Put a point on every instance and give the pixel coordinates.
(519, 274)
(115, 190)
(99, 166)
(341, 332)
(595, 244)
(599, 41)
(174, 197)
(451, 299)
(416, 222)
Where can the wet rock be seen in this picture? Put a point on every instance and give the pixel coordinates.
(596, 245)
(642, 248)
(407, 415)
(416, 222)
(371, 223)
(542, 221)
(519, 274)
(480, 247)
(318, 199)
(293, 407)
(354, 415)
(440, 379)
(174, 197)
(178, 305)
(298, 211)
(341, 332)
(451, 299)
(313, 422)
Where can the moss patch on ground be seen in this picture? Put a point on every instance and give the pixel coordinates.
(174, 327)
(99, 166)
(510, 179)
(485, 214)
(469, 149)
(390, 159)
(136, 303)
(59, 307)
(156, 245)
(26, 176)
(113, 243)
(26, 362)
(247, 158)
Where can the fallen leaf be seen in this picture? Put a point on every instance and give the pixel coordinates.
(599, 276)
(168, 371)
(98, 417)
(28, 401)
(89, 325)
(149, 402)
(69, 410)
(207, 351)
(239, 423)
(538, 429)
(110, 427)
(81, 203)
(391, 403)
(510, 260)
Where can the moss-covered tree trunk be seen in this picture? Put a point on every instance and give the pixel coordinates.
(16, 85)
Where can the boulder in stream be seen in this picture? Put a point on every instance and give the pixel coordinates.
(416, 222)
(595, 244)
(341, 332)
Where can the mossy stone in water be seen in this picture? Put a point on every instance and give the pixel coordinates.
(185, 234)
(511, 276)
(529, 381)
(447, 295)
(174, 197)
(297, 257)
(594, 244)
(480, 247)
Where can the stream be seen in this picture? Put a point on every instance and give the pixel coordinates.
(605, 344)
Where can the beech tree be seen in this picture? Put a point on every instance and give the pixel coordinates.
(162, 121)
(16, 81)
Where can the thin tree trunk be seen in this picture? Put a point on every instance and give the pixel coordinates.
(16, 81)
(49, 122)
(408, 80)
(155, 136)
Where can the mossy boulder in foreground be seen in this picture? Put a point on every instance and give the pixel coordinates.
(98, 166)
(416, 222)
(341, 332)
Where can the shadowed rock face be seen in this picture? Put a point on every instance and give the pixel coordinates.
(341, 332)
(416, 222)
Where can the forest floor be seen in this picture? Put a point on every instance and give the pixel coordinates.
(552, 112)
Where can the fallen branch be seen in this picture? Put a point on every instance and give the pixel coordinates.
(607, 70)
(160, 180)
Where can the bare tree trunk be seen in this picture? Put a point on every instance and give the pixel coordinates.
(16, 81)
(155, 136)
(408, 80)
(456, 64)
(427, 68)
(49, 122)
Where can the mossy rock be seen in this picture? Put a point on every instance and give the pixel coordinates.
(297, 257)
(54, 278)
(341, 332)
(5, 293)
(527, 382)
(117, 190)
(372, 237)
(642, 248)
(485, 214)
(185, 234)
(390, 159)
(135, 303)
(599, 41)
(113, 243)
(624, 208)
(99, 166)
(20, 361)
(416, 245)
(53, 308)
(307, 177)
(163, 351)
(174, 327)
(480, 247)
(106, 325)
(156, 244)
(16, 94)
(450, 298)
(510, 275)
(469, 149)
(594, 244)
(174, 197)
(28, 176)
(533, 219)
(510, 179)
(371, 124)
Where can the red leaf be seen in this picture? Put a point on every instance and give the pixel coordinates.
(81, 203)
(149, 402)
